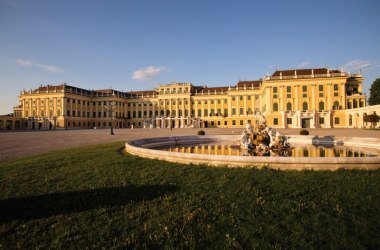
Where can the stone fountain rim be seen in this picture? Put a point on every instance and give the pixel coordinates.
(145, 147)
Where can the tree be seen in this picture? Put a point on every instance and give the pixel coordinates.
(374, 93)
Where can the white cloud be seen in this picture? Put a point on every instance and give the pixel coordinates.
(304, 64)
(148, 73)
(46, 67)
(24, 62)
(359, 64)
(49, 68)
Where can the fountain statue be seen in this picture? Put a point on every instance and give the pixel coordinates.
(262, 140)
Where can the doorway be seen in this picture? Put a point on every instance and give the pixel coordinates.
(306, 123)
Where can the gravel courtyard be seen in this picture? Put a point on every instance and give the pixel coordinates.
(18, 144)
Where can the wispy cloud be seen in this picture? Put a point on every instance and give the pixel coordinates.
(46, 67)
(359, 64)
(148, 73)
(304, 64)
(23, 62)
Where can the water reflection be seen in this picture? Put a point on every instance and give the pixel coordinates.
(298, 151)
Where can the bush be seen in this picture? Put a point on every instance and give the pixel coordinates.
(201, 132)
(304, 132)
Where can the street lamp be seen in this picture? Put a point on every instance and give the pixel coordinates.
(111, 108)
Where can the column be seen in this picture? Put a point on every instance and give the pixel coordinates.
(281, 98)
(314, 98)
(298, 119)
(237, 105)
(176, 108)
(229, 103)
(245, 105)
(297, 98)
(202, 108)
(328, 120)
(329, 94)
(209, 107)
(183, 107)
(171, 106)
(313, 122)
(284, 124)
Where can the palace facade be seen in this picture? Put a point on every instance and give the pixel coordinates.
(302, 98)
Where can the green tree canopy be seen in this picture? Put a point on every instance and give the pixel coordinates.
(374, 93)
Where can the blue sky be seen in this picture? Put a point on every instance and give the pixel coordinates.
(135, 45)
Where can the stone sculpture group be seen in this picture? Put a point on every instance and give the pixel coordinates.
(262, 140)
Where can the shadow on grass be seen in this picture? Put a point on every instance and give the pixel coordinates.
(44, 206)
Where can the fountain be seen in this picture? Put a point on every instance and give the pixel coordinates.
(262, 140)
(261, 145)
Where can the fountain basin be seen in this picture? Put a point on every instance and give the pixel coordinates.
(148, 148)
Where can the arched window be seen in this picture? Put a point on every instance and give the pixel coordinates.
(58, 112)
(275, 106)
(289, 106)
(173, 113)
(51, 113)
(321, 106)
(27, 113)
(304, 106)
(361, 103)
(42, 113)
(167, 112)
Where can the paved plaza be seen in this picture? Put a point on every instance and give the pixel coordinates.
(18, 144)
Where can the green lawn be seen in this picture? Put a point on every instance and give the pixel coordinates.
(96, 196)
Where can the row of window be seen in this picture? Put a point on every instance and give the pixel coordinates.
(42, 113)
(174, 90)
(94, 103)
(304, 91)
(42, 101)
(289, 121)
(305, 106)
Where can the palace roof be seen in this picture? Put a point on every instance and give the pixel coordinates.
(304, 72)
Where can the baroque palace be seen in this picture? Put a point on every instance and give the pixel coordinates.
(302, 98)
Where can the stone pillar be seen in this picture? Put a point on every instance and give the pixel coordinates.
(314, 97)
(296, 98)
(182, 122)
(171, 107)
(298, 119)
(176, 108)
(329, 94)
(281, 98)
(202, 109)
(328, 120)
(313, 122)
(284, 124)
(245, 105)
(229, 105)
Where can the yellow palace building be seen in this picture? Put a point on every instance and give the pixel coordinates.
(301, 98)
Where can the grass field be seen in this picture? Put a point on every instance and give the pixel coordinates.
(94, 197)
